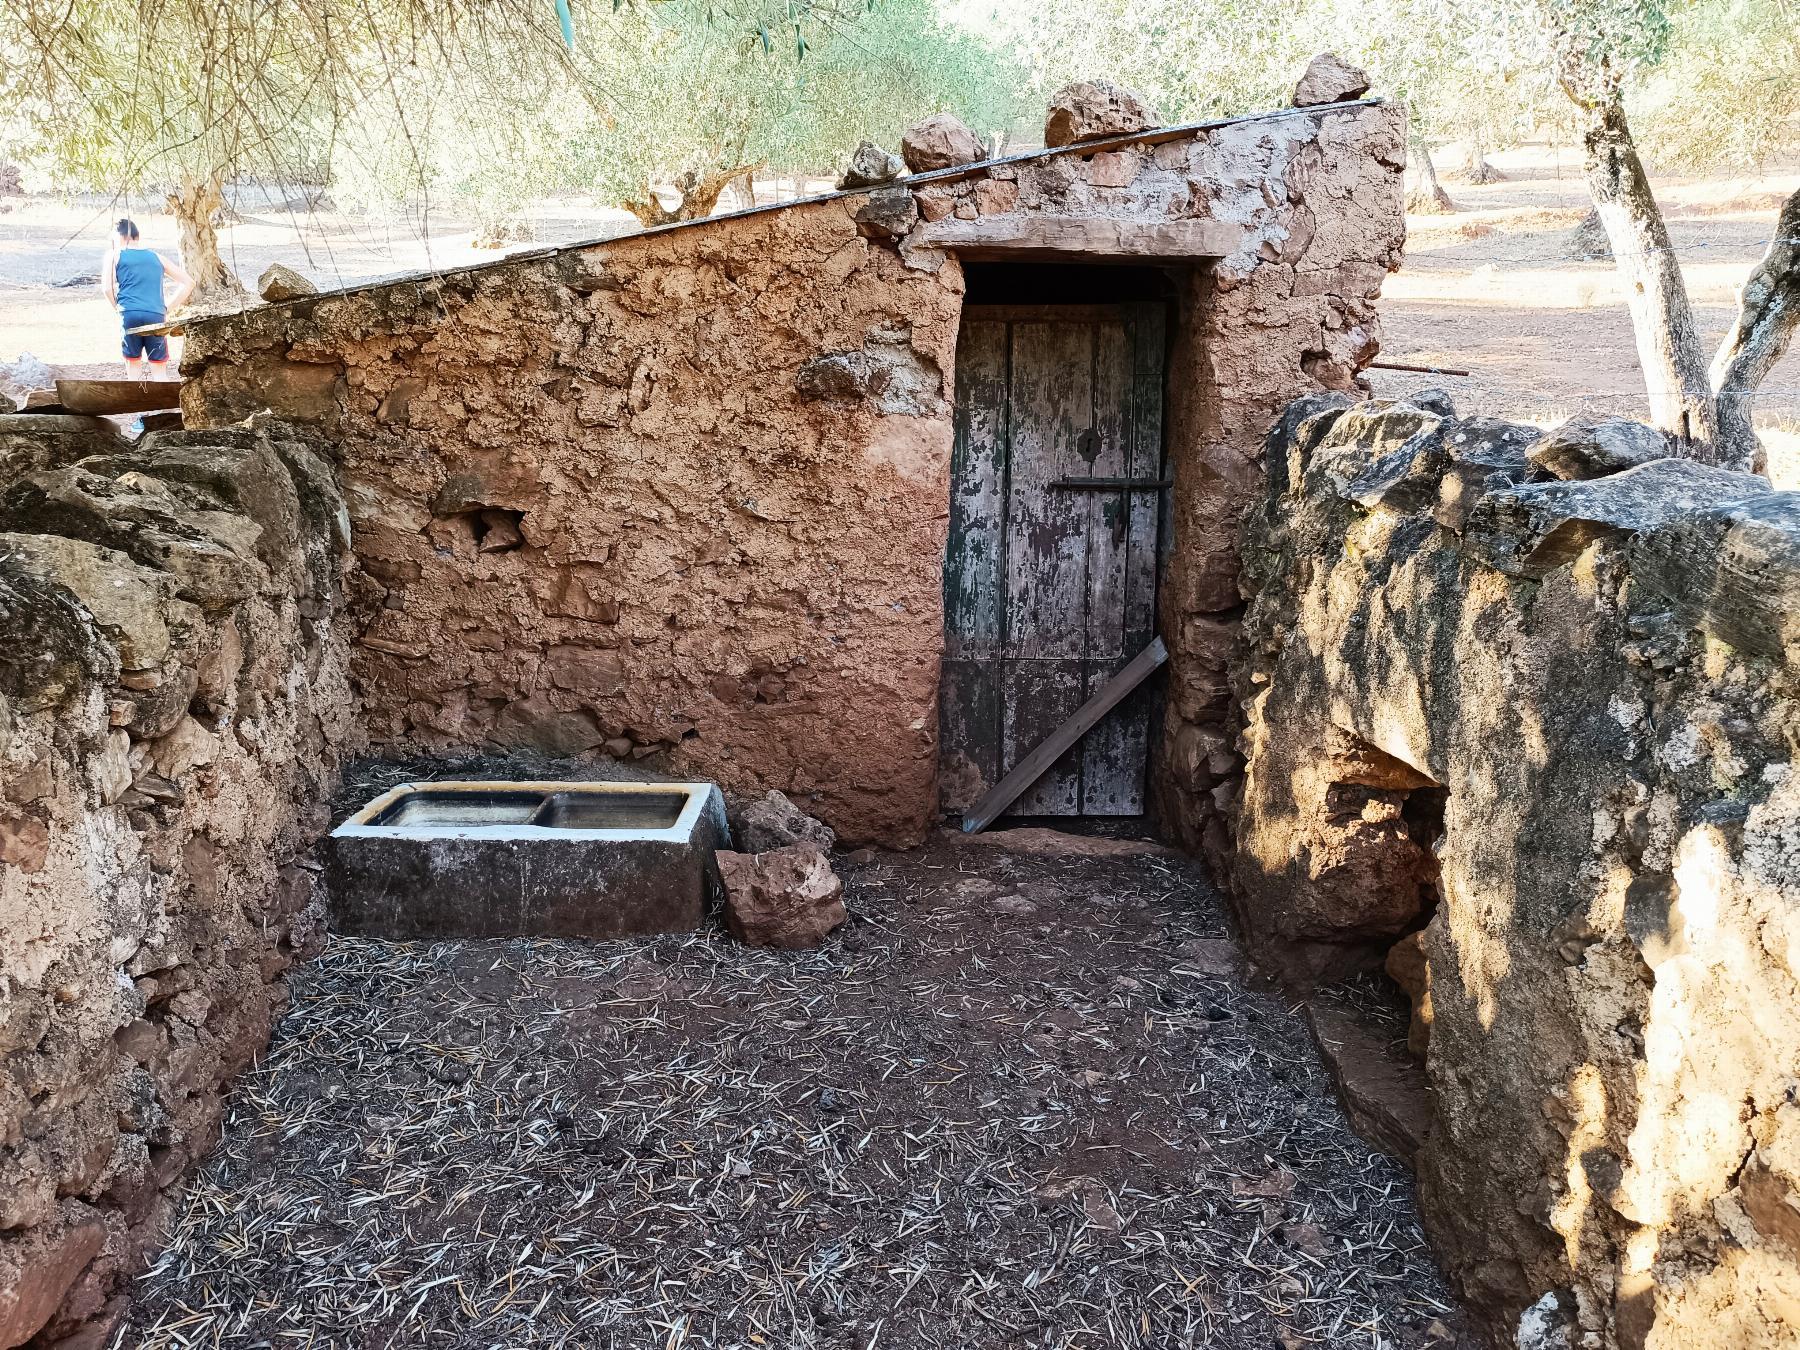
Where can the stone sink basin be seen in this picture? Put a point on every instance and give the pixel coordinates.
(521, 859)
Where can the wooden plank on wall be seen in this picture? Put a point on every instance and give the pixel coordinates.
(99, 397)
(1058, 743)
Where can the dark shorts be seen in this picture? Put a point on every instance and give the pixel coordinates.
(138, 344)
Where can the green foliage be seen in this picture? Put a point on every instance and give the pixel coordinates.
(481, 105)
(1723, 58)
(659, 89)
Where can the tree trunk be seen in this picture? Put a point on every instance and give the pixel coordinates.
(1477, 169)
(699, 194)
(1768, 313)
(194, 204)
(1662, 318)
(1428, 195)
(1587, 242)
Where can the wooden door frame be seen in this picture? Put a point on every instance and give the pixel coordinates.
(1171, 316)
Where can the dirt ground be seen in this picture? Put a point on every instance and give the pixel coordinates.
(1019, 1100)
(1492, 289)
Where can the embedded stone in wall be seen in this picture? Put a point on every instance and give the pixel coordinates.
(887, 214)
(1592, 447)
(887, 371)
(1091, 110)
(1531, 528)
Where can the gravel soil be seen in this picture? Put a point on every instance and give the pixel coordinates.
(1024, 1098)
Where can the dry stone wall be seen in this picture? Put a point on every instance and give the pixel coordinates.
(1548, 728)
(174, 700)
(685, 493)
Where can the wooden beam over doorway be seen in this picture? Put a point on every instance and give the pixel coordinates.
(1084, 239)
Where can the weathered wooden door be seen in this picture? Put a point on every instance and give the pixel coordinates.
(1050, 580)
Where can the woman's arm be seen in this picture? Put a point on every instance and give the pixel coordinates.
(184, 284)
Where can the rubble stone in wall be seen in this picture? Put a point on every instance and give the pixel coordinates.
(1090, 110)
(173, 704)
(941, 141)
(1598, 680)
(1592, 447)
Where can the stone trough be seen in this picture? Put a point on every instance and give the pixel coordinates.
(523, 859)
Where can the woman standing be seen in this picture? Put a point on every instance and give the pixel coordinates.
(133, 280)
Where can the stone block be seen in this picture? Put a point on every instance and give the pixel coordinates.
(869, 165)
(1731, 570)
(1533, 528)
(771, 821)
(787, 898)
(37, 1271)
(1592, 447)
(1090, 110)
(941, 141)
(1329, 78)
(281, 282)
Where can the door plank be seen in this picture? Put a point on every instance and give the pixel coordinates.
(1058, 742)
(1046, 552)
(974, 592)
(1108, 752)
(1038, 697)
(969, 721)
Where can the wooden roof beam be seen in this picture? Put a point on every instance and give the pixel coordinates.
(1084, 238)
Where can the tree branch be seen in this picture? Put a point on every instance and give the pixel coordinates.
(1768, 313)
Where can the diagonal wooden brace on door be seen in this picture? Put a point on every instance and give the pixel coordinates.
(1028, 770)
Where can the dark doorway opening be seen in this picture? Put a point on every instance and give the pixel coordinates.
(1057, 530)
(1064, 284)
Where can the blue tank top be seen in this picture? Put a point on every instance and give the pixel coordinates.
(139, 273)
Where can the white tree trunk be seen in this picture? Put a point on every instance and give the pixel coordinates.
(1768, 314)
(1662, 318)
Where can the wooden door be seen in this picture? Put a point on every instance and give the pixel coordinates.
(1050, 580)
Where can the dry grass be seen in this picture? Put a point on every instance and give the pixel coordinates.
(1015, 1103)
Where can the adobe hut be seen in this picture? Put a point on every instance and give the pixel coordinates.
(756, 491)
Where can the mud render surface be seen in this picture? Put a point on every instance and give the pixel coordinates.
(685, 493)
(1018, 1101)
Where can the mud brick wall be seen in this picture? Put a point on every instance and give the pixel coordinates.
(173, 704)
(685, 493)
(1598, 681)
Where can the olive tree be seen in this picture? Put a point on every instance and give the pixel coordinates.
(192, 94)
(1598, 47)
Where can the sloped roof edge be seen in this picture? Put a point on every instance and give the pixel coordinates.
(1151, 136)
